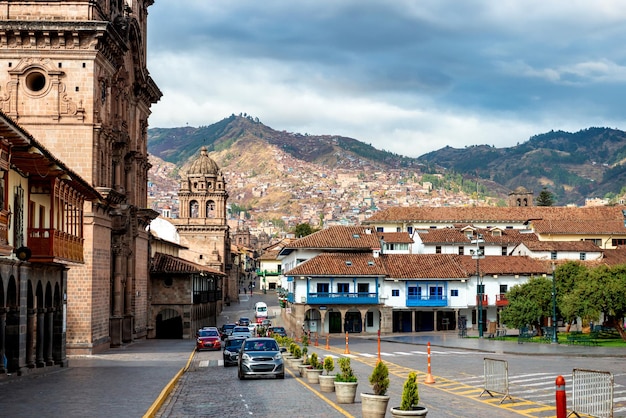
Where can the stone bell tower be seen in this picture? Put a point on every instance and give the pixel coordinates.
(202, 224)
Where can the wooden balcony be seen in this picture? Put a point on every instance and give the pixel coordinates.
(48, 245)
(501, 300)
(485, 300)
(5, 248)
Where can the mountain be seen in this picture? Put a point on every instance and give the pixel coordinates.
(177, 145)
(573, 166)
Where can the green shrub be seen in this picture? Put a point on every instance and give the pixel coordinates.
(329, 364)
(379, 379)
(410, 393)
(346, 374)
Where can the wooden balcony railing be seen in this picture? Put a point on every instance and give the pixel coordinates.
(47, 245)
(501, 300)
(485, 300)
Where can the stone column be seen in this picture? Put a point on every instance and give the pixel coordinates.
(31, 337)
(129, 294)
(49, 335)
(40, 337)
(3, 327)
(115, 326)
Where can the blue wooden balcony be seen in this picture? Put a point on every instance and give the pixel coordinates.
(435, 300)
(342, 298)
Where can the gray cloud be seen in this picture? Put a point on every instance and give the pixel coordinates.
(407, 76)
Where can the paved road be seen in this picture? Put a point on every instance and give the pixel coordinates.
(127, 381)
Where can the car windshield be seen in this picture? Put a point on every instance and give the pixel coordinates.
(235, 343)
(241, 329)
(208, 333)
(267, 345)
(278, 329)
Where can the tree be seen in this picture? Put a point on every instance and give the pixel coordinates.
(566, 276)
(545, 198)
(601, 291)
(528, 303)
(302, 230)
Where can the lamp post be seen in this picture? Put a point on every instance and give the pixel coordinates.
(477, 255)
(555, 339)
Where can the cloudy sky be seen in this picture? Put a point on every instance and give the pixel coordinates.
(407, 76)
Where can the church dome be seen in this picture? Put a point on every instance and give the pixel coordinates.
(203, 164)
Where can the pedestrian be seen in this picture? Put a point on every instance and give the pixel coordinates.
(245, 292)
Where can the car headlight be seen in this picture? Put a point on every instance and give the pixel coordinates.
(245, 357)
(278, 356)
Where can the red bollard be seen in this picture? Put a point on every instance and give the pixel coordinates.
(328, 341)
(378, 345)
(561, 398)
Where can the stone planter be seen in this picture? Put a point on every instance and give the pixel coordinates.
(302, 369)
(327, 383)
(313, 375)
(417, 411)
(374, 406)
(346, 391)
(295, 362)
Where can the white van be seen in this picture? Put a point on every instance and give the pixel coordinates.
(260, 310)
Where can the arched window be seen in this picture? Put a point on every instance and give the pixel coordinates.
(193, 209)
(210, 209)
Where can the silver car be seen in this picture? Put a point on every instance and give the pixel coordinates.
(261, 357)
(241, 332)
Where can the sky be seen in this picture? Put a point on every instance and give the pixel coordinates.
(406, 76)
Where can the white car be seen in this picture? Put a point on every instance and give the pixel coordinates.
(241, 332)
(252, 328)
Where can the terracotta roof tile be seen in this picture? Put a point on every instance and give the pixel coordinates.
(585, 246)
(169, 264)
(395, 237)
(339, 237)
(580, 226)
(424, 266)
(472, 214)
(507, 265)
(340, 264)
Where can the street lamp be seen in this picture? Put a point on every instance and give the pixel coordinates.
(477, 254)
(555, 340)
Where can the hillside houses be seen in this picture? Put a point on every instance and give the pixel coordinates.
(417, 269)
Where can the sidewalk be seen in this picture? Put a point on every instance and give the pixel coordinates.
(450, 339)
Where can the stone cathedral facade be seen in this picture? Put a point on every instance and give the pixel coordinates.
(73, 73)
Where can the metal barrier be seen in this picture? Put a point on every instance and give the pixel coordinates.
(496, 378)
(592, 393)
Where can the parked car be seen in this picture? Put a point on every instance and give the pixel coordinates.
(260, 357)
(266, 323)
(208, 339)
(232, 345)
(276, 331)
(243, 321)
(241, 332)
(227, 330)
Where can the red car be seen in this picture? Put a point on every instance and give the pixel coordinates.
(208, 339)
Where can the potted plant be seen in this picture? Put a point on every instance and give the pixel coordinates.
(374, 405)
(410, 398)
(305, 363)
(345, 382)
(327, 381)
(297, 357)
(314, 372)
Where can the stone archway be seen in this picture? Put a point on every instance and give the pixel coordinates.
(169, 324)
